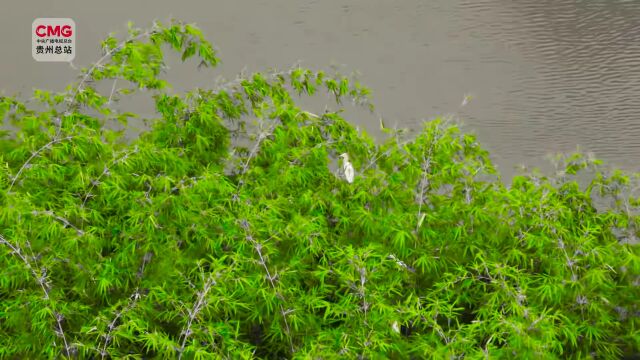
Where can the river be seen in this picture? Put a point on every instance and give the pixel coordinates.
(544, 76)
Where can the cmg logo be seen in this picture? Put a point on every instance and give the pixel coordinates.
(54, 30)
(53, 39)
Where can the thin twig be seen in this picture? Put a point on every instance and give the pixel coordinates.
(42, 282)
(424, 181)
(113, 89)
(112, 325)
(105, 171)
(64, 221)
(36, 153)
(97, 64)
(193, 313)
(103, 58)
(258, 247)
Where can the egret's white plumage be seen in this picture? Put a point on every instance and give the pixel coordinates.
(395, 327)
(347, 168)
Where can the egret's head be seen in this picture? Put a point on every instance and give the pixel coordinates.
(345, 156)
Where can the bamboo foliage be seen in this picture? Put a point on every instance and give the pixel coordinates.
(221, 231)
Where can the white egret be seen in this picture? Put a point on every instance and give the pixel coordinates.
(395, 327)
(347, 168)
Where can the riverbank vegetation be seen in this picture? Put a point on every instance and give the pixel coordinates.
(224, 232)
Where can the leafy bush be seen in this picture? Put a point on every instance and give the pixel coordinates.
(222, 232)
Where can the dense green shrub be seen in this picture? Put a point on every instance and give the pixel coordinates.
(223, 232)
